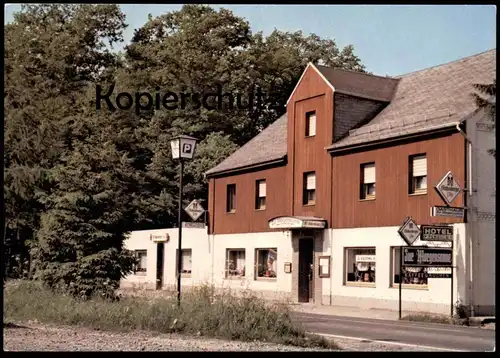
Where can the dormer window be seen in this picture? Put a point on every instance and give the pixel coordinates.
(310, 124)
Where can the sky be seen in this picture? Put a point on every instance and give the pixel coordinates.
(389, 39)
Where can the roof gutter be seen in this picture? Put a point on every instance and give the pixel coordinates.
(365, 145)
(246, 167)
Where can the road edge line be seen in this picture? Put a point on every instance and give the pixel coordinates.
(389, 343)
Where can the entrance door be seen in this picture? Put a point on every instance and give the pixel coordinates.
(305, 270)
(159, 264)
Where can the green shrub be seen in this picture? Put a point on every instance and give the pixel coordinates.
(202, 312)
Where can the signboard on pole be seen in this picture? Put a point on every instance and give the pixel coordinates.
(448, 211)
(427, 257)
(436, 233)
(409, 231)
(439, 272)
(193, 225)
(448, 188)
(194, 209)
(159, 237)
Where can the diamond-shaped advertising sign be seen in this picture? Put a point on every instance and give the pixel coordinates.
(448, 188)
(409, 231)
(194, 209)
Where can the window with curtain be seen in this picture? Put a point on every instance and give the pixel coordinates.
(309, 195)
(368, 181)
(310, 124)
(235, 262)
(260, 194)
(360, 265)
(266, 263)
(142, 258)
(186, 262)
(418, 174)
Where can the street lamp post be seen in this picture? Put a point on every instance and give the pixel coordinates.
(182, 148)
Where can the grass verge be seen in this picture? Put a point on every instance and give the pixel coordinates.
(202, 312)
(434, 319)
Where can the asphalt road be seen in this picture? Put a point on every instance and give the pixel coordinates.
(423, 334)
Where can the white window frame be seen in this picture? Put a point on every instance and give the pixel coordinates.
(368, 183)
(311, 124)
(309, 188)
(371, 264)
(395, 262)
(418, 173)
(184, 274)
(231, 269)
(259, 269)
(139, 270)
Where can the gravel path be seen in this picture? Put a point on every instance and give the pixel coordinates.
(38, 337)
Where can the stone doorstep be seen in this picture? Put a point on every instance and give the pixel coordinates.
(479, 321)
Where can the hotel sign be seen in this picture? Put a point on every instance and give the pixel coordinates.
(427, 257)
(287, 222)
(448, 188)
(436, 233)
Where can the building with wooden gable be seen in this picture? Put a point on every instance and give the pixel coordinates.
(310, 208)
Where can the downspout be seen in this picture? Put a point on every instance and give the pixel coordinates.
(331, 204)
(472, 219)
(330, 264)
(211, 219)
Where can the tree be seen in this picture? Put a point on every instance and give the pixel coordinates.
(197, 49)
(94, 204)
(52, 53)
(485, 99)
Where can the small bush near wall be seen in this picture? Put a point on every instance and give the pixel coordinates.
(202, 312)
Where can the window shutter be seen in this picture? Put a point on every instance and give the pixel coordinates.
(262, 189)
(312, 124)
(419, 166)
(311, 182)
(369, 174)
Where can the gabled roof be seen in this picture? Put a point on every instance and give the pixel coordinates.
(435, 97)
(268, 146)
(421, 101)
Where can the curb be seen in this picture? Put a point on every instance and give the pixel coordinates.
(479, 321)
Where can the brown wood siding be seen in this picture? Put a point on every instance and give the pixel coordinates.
(393, 203)
(308, 153)
(246, 218)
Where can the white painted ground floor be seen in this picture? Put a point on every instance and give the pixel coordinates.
(351, 267)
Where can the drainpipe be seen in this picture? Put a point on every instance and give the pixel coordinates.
(472, 220)
(330, 264)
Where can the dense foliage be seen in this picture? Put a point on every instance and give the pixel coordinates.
(485, 98)
(77, 179)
